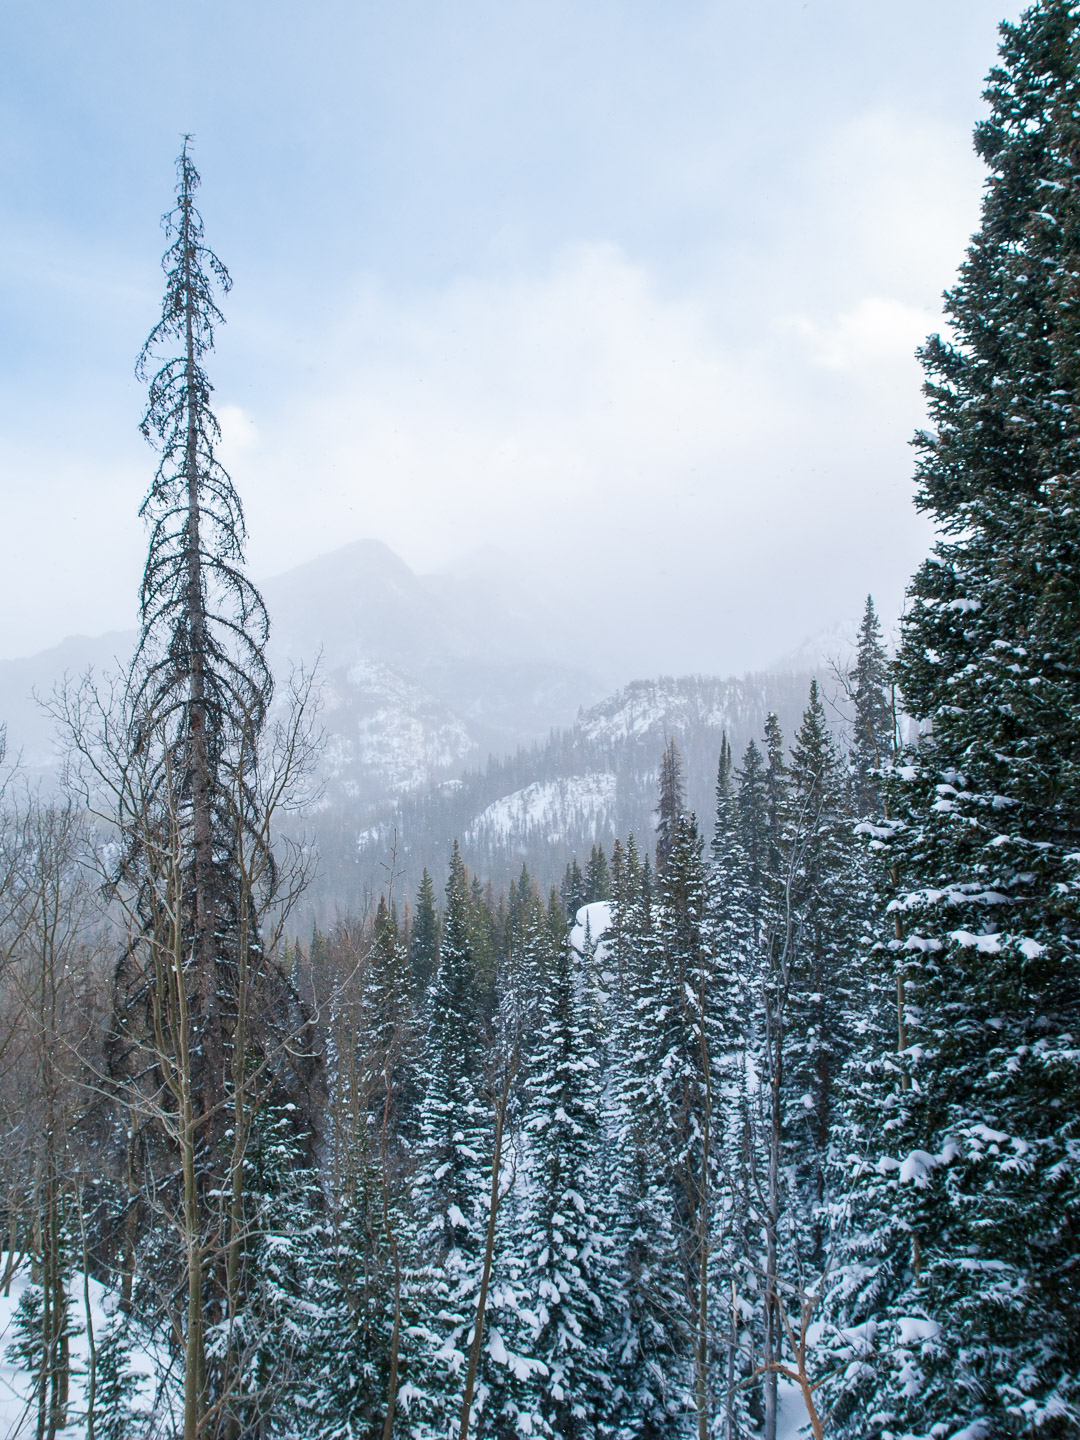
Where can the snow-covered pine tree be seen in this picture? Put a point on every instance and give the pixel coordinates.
(821, 966)
(649, 1342)
(872, 720)
(871, 1242)
(276, 1336)
(597, 876)
(369, 1285)
(806, 966)
(672, 801)
(753, 829)
(572, 890)
(452, 1175)
(424, 935)
(666, 1102)
(977, 1153)
(625, 893)
(116, 1416)
(36, 1341)
(562, 1233)
(762, 812)
(484, 944)
(730, 930)
(691, 1040)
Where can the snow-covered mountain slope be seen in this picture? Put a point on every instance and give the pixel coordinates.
(385, 732)
(423, 678)
(553, 809)
(420, 674)
(590, 782)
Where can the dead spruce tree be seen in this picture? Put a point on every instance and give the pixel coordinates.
(201, 683)
(207, 1032)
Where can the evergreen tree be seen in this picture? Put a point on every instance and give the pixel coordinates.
(573, 891)
(556, 920)
(369, 1285)
(37, 1344)
(278, 1332)
(424, 935)
(775, 792)
(451, 1183)
(649, 1342)
(730, 937)
(564, 1251)
(872, 728)
(670, 1041)
(821, 968)
(392, 1034)
(753, 828)
(672, 801)
(597, 877)
(116, 1416)
(483, 945)
(972, 1157)
(200, 1003)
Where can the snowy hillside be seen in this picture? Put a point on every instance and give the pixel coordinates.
(590, 782)
(553, 809)
(420, 675)
(92, 1312)
(386, 733)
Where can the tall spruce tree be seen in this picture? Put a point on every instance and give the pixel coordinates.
(649, 1340)
(455, 1139)
(200, 680)
(199, 1002)
(672, 801)
(572, 890)
(872, 723)
(597, 876)
(731, 939)
(977, 1154)
(821, 968)
(563, 1243)
(424, 935)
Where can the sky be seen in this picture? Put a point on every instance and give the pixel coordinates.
(628, 290)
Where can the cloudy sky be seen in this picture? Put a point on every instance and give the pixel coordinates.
(626, 289)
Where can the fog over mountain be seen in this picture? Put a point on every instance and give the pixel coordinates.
(460, 704)
(418, 673)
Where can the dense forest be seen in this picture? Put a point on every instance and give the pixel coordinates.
(766, 1116)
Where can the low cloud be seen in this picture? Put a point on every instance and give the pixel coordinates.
(701, 466)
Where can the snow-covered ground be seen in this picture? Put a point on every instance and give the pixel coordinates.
(596, 918)
(17, 1415)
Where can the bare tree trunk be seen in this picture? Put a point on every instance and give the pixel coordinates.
(729, 1400)
(395, 1334)
(91, 1342)
(130, 1224)
(799, 1345)
(701, 1355)
(771, 1238)
(202, 826)
(11, 1262)
(193, 1350)
(395, 1346)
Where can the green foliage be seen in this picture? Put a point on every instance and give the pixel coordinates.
(972, 1161)
(424, 935)
(115, 1385)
